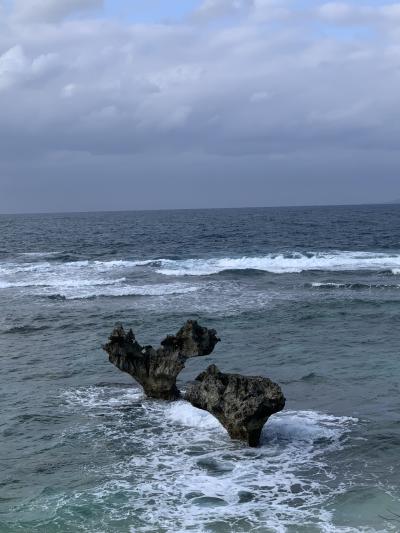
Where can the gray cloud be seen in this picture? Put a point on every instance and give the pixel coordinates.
(50, 10)
(210, 9)
(353, 14)
(269, 85)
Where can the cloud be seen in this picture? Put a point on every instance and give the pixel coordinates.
(51, 10)
(358, 14)
(13, 65)
(265, 82)
(16, 68)
(210, 9)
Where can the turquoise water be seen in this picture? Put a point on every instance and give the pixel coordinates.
(309, 297)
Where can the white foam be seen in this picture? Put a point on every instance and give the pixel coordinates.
(113, 278)
(99, 397)
(39, 254)
(183, 413)
(51, 282)
(82, 279)
(294, 426)
(179, 471)
(318, 284)
(69, 267)
(331, 285)
(86, 273)
(119, 263)
(306, 426)
(284, 263)
(74, 293)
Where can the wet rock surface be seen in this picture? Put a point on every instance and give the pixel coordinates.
(242, 404)
(157, 369)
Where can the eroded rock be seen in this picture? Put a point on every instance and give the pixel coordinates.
(242, 404)
(157, 369)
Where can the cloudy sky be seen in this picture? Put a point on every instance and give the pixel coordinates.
(138, 104)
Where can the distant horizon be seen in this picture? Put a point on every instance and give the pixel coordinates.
(94, 211)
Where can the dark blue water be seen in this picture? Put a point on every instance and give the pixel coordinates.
(309, 297)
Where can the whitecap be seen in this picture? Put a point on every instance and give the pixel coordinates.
(76, 293)
(179, 471)
(51, 282)
(306, 426)
(82, 279)
(279, 263)
(327, 285)
(290, 263)
(39, 254)
(119, 263)
(183, 413)
(354, 286)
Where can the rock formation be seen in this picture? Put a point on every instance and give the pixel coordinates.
(242, 404)
(157, 369)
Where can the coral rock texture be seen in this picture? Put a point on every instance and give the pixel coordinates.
(157, 369)
(242, 404)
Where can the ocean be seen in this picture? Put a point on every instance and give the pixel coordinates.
(307, 296)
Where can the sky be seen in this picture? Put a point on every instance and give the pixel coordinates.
(154, 104)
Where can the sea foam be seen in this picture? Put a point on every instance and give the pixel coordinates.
(83, 279)
(88, 279)
(179, 470)
(290, 263)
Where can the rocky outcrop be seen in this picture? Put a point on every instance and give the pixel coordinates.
(242, 404)
(157, 369)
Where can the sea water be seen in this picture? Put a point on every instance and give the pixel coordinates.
(309, 297)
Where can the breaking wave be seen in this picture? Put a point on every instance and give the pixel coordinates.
(352, 286)
(71, 293)
(119, 277)
(83, 279)
(285, 263)
(184, 456)
(278, 263)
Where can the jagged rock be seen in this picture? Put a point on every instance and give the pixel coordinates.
(157, 369)
(242, 404)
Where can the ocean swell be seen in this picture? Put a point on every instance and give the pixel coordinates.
(290, 263)
(125, 277)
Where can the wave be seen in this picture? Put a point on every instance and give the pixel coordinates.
(278, 263)
(352, 286)
(71, 293)
(291, 263)
(97, 278)
(184, 456)
(294, 426)
(25, 330)
(55, 282)
(41, 254)
(9, 268)
(306, 426)
(76, 289)
(82, 280)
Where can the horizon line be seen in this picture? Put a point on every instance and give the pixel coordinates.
(94, 211)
